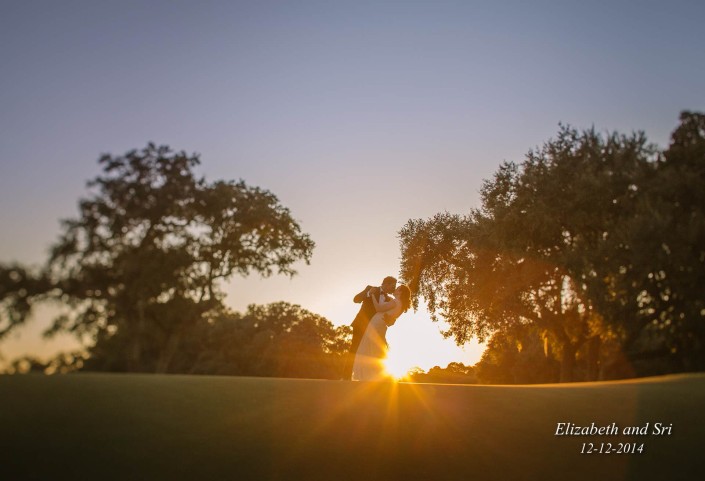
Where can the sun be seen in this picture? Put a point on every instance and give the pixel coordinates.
(397, 367)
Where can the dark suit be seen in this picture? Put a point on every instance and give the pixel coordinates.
(359, 324)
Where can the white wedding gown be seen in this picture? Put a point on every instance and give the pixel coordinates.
(369, 359)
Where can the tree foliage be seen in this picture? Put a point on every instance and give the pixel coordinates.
(20, 287)
(274, 340)
(593, 241)
(453, 373)
(518, 356)
(146, 257)
(279, 340)
(666, 258)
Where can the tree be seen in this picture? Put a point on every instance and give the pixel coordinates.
(20, 287)
(518, 356)
(143, 262)
(666, 258)
(62, 363)
(454, 373)
(275, 340)
(570, 243)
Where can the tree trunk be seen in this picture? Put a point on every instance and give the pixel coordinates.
(134, 360)
(567, 362)
(593, 358)
(167, 354)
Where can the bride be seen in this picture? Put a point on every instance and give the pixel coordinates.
(368, 365)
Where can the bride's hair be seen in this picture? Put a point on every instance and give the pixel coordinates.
(404, 297)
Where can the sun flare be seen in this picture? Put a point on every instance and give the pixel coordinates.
(396, 366)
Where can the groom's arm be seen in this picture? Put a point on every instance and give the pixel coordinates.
(362, 296)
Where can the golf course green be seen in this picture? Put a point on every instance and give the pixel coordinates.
(148, 427)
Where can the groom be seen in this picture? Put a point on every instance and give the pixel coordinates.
(367, 311)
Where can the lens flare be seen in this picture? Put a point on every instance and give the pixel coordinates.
(396, 367)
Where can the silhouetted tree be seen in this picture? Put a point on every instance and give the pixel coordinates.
(568, 242)
(143, 262)
(60, 364)
(664, 255)
(274, 340)
(20, 287)
(454, 373)
(518, 356)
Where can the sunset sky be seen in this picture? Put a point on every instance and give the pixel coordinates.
(358, 115)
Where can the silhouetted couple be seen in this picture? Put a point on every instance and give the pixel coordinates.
(379, 310)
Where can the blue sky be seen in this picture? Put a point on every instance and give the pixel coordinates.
(358, 115)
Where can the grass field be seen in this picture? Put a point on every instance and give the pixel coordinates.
(146, 427)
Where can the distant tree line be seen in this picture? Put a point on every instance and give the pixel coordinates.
(454, 373)
(585, 261)
(274, 340)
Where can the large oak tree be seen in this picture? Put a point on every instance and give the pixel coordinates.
(594, 240)
(146, 257)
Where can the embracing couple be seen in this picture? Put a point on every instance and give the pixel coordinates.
(379, 310)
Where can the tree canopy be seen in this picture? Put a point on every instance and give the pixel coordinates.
(454, 373)
(145, 259)
(594, 240)
(273, 340)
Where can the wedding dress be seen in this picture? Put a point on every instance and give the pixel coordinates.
(369, 359)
